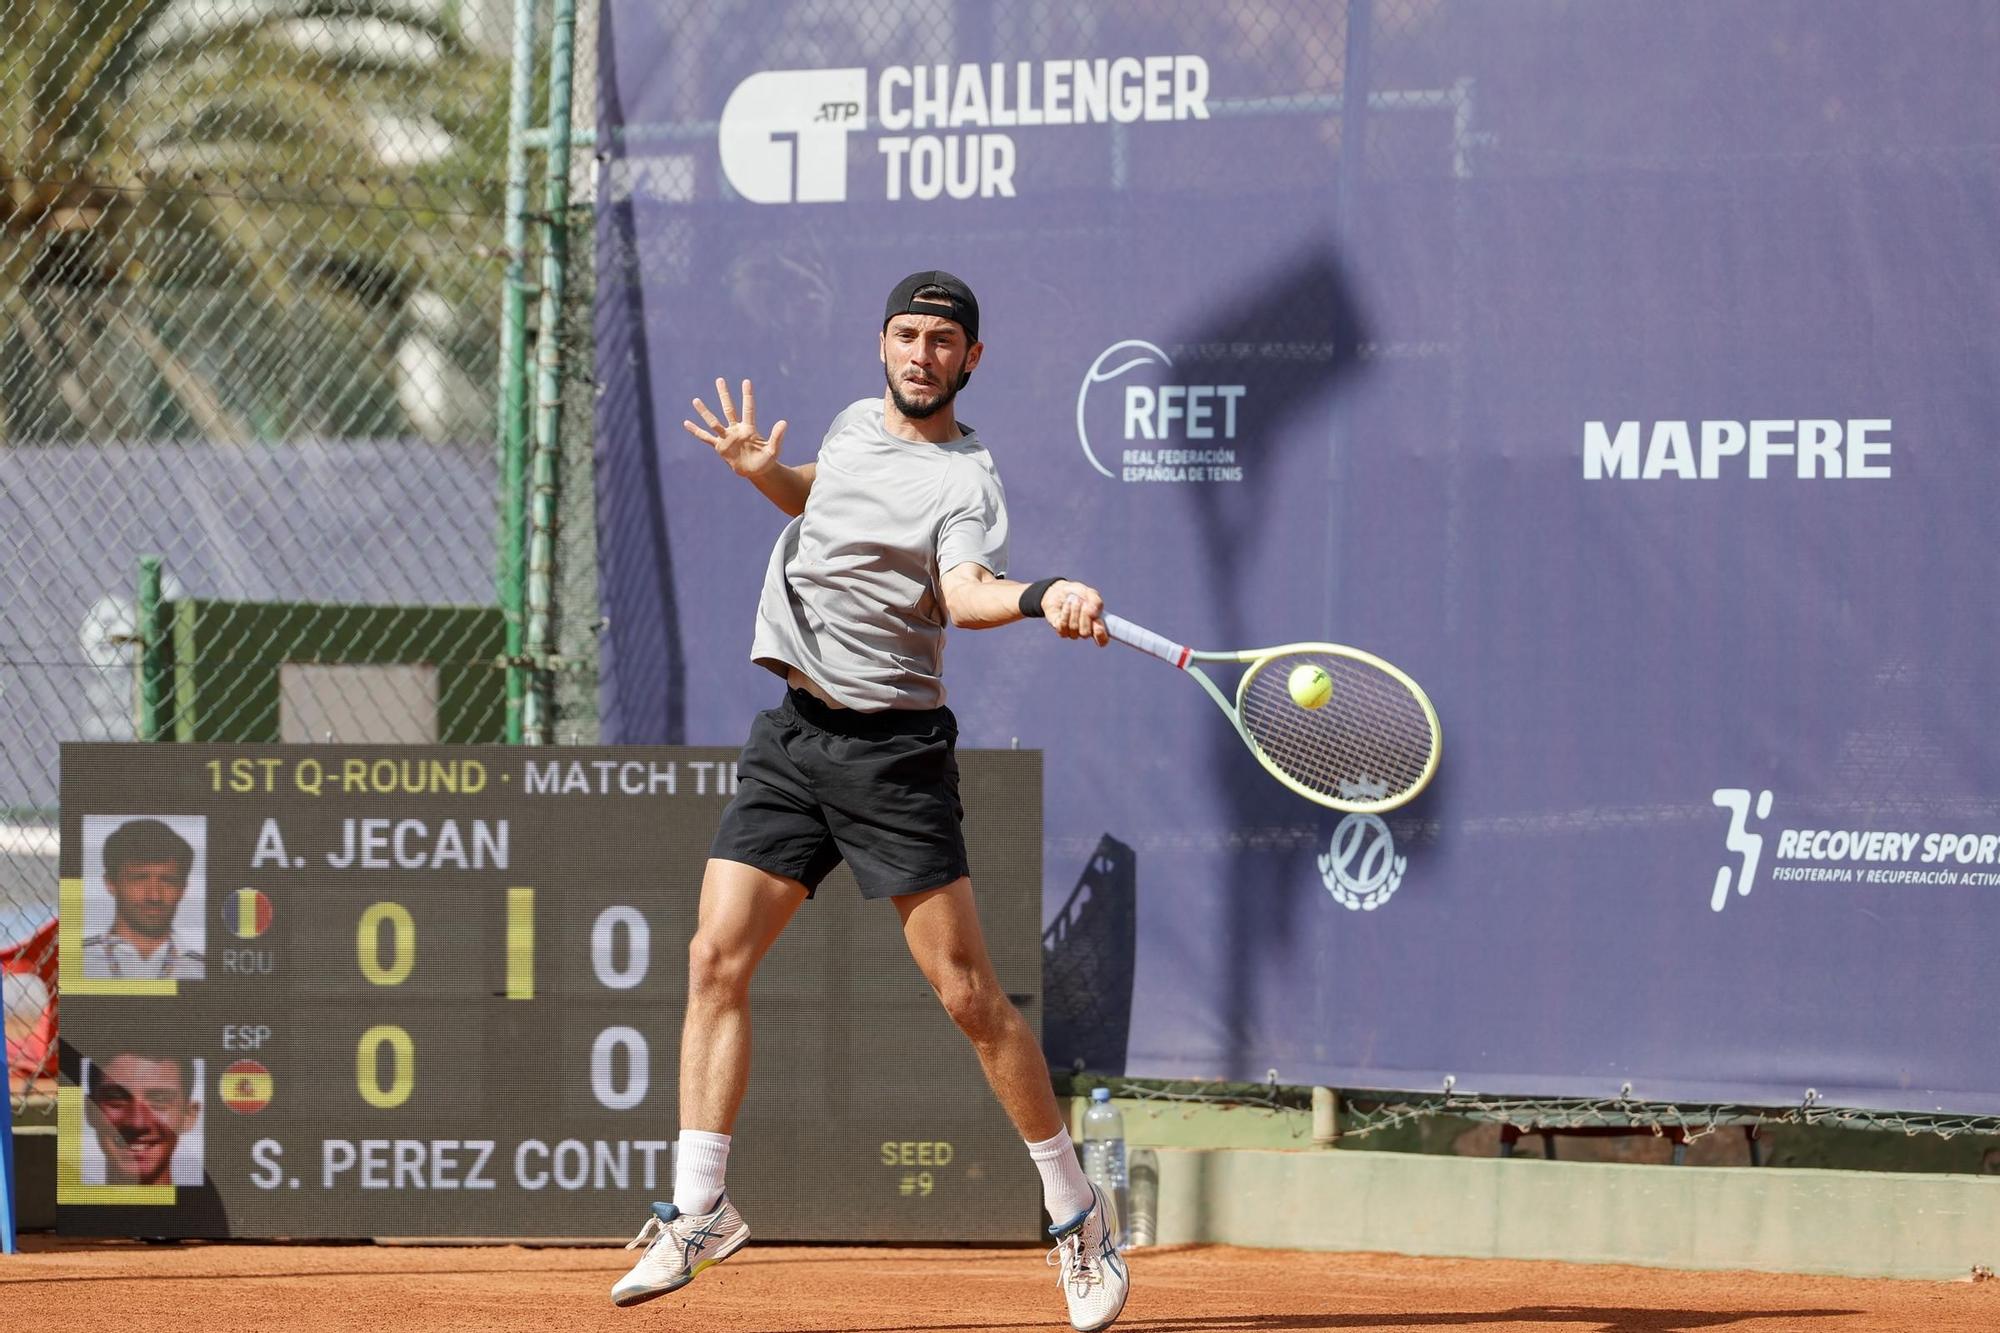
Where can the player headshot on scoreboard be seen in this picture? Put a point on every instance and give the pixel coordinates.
(144, 897)
(144, 1113)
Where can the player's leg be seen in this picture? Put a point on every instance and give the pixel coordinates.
(889, 788)
(771, 850)
(743, 910)
(942, 929)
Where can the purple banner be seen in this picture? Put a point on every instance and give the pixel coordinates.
(1617, 372)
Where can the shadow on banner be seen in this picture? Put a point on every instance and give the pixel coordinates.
(1299, 334)
(1087, 964)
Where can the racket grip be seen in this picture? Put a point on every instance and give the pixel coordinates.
(1138, 636)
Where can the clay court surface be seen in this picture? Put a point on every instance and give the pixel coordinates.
(220, 1288)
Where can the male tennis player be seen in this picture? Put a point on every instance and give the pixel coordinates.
(146, 871)
(897, 528)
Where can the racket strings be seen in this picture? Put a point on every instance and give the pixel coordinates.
(1371, 740)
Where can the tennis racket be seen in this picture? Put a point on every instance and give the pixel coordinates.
(1372, 746)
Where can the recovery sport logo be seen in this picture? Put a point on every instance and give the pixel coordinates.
(786, 135)
(1845, 855)
(1745, 844)
(1162, 426)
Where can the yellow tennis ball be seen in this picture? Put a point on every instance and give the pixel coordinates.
(1311, 687)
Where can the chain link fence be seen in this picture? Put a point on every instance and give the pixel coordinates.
(252, 262)
(252, 255)
(1448, 1121)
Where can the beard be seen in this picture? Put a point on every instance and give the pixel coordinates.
(919, 411)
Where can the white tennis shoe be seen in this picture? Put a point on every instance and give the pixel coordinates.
(1094, 1280)
(678, 1247)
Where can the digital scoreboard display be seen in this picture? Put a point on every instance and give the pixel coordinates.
(437, 991)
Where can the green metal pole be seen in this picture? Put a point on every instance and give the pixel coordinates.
(514, 358)
(537, 718)
(152, 630)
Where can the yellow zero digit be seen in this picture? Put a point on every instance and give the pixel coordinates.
(368, 944)
(368, 1066)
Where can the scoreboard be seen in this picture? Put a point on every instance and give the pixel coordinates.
(437, 990)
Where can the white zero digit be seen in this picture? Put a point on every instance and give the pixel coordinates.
(639, 947)
(637, 1073)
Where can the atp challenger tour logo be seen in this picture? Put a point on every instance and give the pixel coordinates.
(785, 134)
(1360, 867)
(1167, 428)
(1845, 856)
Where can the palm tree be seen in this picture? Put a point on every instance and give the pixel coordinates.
(235, 222)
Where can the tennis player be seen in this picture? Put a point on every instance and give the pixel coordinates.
(898, 528)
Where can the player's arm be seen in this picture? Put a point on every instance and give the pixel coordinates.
(975, 598)
(784, 486)
(750, 455)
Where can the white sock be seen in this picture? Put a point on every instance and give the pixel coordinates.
(1065, 1190)
(699, 1160)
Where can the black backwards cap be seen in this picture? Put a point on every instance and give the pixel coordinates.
(958, 303)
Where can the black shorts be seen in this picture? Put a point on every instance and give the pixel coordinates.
(817, 785)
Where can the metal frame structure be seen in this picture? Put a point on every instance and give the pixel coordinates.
(529, 435)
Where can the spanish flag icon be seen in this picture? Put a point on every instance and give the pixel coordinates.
(246, 1087)
(248, 913)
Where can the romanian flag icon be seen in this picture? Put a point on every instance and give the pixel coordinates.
(246, 1087)
(248, 913)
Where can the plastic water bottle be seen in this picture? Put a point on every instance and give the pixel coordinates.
(1104, 1157)
(1143, 1226)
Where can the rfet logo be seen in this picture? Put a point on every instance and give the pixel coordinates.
(1155, 423)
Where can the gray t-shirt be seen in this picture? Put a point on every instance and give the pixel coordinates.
(851, 596)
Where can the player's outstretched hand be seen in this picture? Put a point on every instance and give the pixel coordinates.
(1076, 610)
(735, 439)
